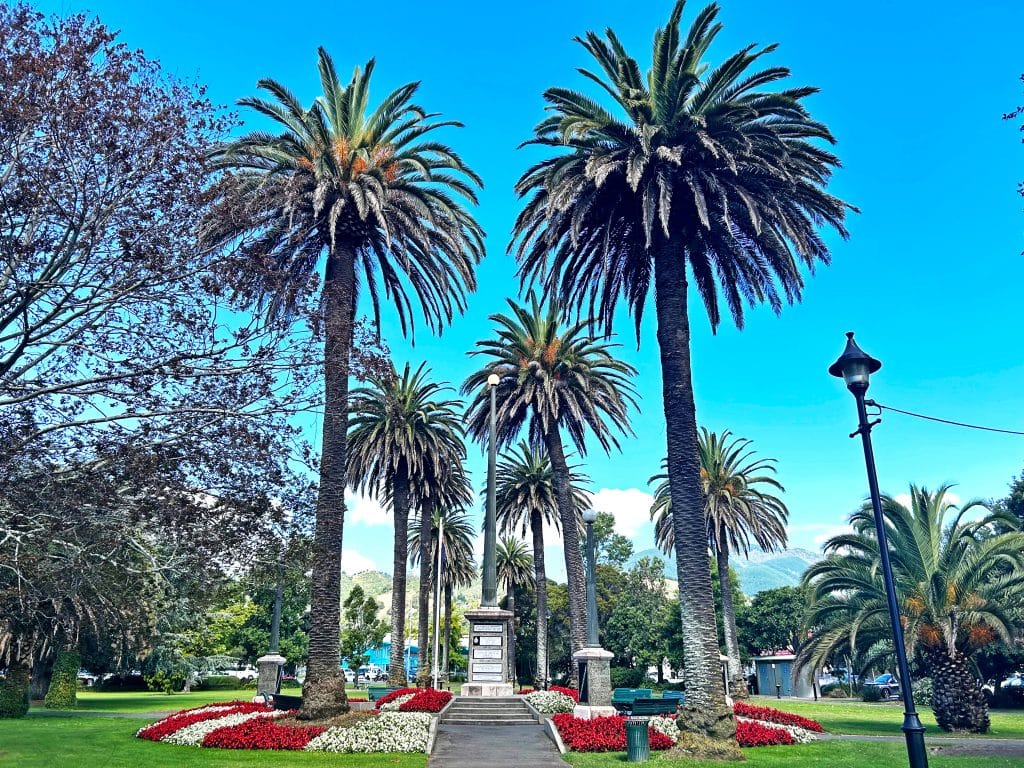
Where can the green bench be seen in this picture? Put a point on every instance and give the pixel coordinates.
(623, 698)
(650, 707)
(379, 691)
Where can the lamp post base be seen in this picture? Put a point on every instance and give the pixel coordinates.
(595, 683)
(269, 666)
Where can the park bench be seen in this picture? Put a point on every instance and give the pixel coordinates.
(649, 707)
(281, 701)
(379, 691)
(622, 698)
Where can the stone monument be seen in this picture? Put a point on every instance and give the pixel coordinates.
(594, 667)
(489, 660)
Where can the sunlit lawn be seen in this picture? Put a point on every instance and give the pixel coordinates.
(834, 754)
(884, 719)
(99, 701)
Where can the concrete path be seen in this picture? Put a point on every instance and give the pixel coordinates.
(508, 746)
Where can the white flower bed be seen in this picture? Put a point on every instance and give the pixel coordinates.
(800, 735)
(193, 735)
(665, 726)
(394, 704)
(387, 732)
(550, 702)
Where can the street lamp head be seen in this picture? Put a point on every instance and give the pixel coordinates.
(493, 380)
(854, 366)
(589, 515)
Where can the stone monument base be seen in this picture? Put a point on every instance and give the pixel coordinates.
(489, 630)
(487, 689)
(268, 665)
(587, 712)
(595, 683)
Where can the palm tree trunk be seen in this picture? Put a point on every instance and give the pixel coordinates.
(958, 702)
(732, 643)
(426, 528)
(540, 581)
(447, 630)
(575, 580)
(705, 710)
(400, 502)
(323, 693)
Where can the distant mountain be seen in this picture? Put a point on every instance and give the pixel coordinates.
(764, 570)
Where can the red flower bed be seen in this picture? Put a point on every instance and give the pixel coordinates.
(572, 693)
(754, 734)
(602, 734)
(526, 691)
(427, 700)
(769, 715)
(262, 733)
(396, 695)
(179, 720)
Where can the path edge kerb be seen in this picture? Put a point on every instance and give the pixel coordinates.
(432, 734)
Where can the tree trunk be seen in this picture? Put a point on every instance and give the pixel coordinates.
(42, 672)
(705, 710)
(400, 501)
(575, 580)
(541, 590)
(426, 586)
(447, 631)
(323, 693)
(732, 643)
(958, 702)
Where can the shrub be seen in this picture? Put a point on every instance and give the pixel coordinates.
(872, 693)
(1008, 698)
(750, 733)
(165, 682)
(14, 692)
(922, 691)
(123, 684)
(627, 677)
(63, 690)
(770, 715)
(220, 683)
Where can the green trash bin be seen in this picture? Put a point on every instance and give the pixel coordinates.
(638, 740)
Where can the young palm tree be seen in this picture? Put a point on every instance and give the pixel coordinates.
(366, 192)
(737, 511)
(515, 569)
(400, 432)
(693, 169)
(959, 583)
(525, 498)
(555, 377)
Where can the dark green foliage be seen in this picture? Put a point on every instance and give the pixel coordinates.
(610, 547)
(220, 683)
(62, 693)
(122, 683)
(362, 629)
(627, 677)
(14, 692)
(774, 620)
(872, 693)
(923, 689)
(163, 681)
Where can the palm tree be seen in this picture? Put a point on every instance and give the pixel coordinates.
(959, 585)
(525, 498)
(515, 569)
(692, 169)
(555, 377)
(457, 566)
(736, 510)
(368, 191)
(400, 432)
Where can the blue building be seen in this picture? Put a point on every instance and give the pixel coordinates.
(381, 657)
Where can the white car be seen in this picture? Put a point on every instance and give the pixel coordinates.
(245, 674)
(1016, 680)
(350, 676)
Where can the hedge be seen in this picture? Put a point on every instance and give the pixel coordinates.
(62, 693)
(14, 692)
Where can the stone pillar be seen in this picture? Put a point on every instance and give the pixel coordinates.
(269, 667)
(595, 683)
(489, 660)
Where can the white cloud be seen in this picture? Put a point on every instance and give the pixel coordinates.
(366, 510)
(352, 562)
(952, 498)
(631, 508)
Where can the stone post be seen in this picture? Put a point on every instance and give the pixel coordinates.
(269, 677)
(489, 653)
(595, 683)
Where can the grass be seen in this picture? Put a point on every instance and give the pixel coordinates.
(109, 742)
(99, 701)
(854, 717)
(835, 754)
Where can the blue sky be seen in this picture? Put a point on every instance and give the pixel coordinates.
(929, 279)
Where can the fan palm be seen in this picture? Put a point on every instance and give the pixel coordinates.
(368, 191)
(515, 569)
(959, 585)
(737, 511)
(401, 431)
(553, 377)
(525, 499)
(691, 169)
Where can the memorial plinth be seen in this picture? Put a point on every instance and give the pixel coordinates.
(489, 663)
(269, 677)
(594, 665)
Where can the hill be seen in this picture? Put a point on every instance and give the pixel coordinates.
(764, 570)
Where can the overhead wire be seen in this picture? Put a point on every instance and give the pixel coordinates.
(876, 404)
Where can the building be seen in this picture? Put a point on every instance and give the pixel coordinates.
(775, 676)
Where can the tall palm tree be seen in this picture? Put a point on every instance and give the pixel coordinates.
(457, 566)
(515, 569)
(553, 376)
(736, 510)
(400, 432)
(375, 198)
(525, 499)
(693, 169)
(959, 583)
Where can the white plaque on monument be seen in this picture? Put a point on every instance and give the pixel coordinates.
(490, 640)
(486, 653)
(488, 628)
(488, 678)
(486, 668)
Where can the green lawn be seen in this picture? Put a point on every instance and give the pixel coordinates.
(98, 701)
(834, 754)
(109, 742)
(838, 716)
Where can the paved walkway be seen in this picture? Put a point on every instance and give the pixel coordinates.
(508, 746)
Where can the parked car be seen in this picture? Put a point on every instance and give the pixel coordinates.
(87, 678)
(887, 684)
(350, 676)
(245, 674)
(1016, 680)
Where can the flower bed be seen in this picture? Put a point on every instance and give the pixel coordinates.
(752, 733)
(550, 702)
(262, 733)
(769, 715)
(163, 730)
(602, 734)
(395, 695)
(387, 732)
(572, 693)
(427, 700)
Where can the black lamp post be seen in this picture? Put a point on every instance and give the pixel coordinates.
(589, 516)
(855, 367)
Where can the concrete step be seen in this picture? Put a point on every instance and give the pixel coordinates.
(488, 722)
(484, 714)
